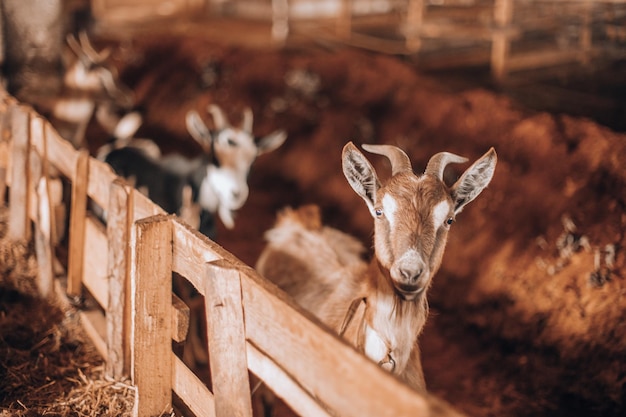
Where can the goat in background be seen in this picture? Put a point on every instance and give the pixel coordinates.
(218, 178)
(380, 307)
(90, 88)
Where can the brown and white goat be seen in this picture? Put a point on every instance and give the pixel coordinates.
(90, 88)
(380, 307)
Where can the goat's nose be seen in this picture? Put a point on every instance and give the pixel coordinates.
(411, 274)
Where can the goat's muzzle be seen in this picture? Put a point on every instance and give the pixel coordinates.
(409, 275)
(408, 292)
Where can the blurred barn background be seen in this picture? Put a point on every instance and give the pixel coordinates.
(527, 312)
(550, 54)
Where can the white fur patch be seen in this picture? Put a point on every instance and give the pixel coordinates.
(375, 347)
(440, 212)
(390, 206)
(223, 192)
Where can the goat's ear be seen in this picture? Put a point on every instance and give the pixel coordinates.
(360, 175)
(126, 127)
(198, 130)
(271, 142)
(474, 180)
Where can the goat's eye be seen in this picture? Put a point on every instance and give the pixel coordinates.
(449, 221)
(378, 212)
(231, 142)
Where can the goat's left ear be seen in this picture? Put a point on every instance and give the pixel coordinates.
(271, 142)
(198, 130)
(360, 175)
(474, 180)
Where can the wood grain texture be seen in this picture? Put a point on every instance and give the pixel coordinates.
(118, 276)
(76, 251)
(152, 300)
(227, 341)
(20, 182)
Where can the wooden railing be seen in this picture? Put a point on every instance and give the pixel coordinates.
(127, 267)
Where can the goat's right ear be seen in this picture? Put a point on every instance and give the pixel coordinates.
(198, 130)
(474, 180)
(271, 142)
(360, 175)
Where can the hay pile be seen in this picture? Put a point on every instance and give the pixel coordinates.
(47, 364)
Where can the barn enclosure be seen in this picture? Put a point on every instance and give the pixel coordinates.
(527, 312)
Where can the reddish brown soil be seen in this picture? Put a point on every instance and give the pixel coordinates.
(517, 326)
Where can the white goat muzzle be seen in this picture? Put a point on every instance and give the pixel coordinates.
(224, 192)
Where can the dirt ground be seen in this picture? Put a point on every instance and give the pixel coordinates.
(528, 312)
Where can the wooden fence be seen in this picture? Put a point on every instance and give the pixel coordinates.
(506, 35)
(127, 266)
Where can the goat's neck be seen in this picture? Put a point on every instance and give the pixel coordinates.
(391, 322)
(203, 190)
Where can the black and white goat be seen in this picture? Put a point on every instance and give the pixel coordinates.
(217, 178)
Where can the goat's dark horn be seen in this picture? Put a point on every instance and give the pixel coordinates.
(218, 116)
(439, 161)
(400, 161)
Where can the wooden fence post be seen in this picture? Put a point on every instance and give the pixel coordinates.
(227, 340)
(500, 42)
(76, 250)
(152, 303)
(414, 20)
(20, 183)
(5, 125)
(43, 240)
(45, 220)
(119, 223)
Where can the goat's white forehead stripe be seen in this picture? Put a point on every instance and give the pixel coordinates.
(390, 206)
(440, 212)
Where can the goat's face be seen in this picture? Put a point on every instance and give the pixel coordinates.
(413, 213)
(233, 150)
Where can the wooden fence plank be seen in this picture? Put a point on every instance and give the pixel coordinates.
(76, 250)
(95, 278)
(180, 319)
(227, 340)
(283, 385)
(5, 135)
(93, 323)
(152, 300)
(20, 183)
(191, 251)
(60, 152)
(192, 391)
(40, 200)
(144, 207)
(119, 223)
(43, 241)
(101, 176)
